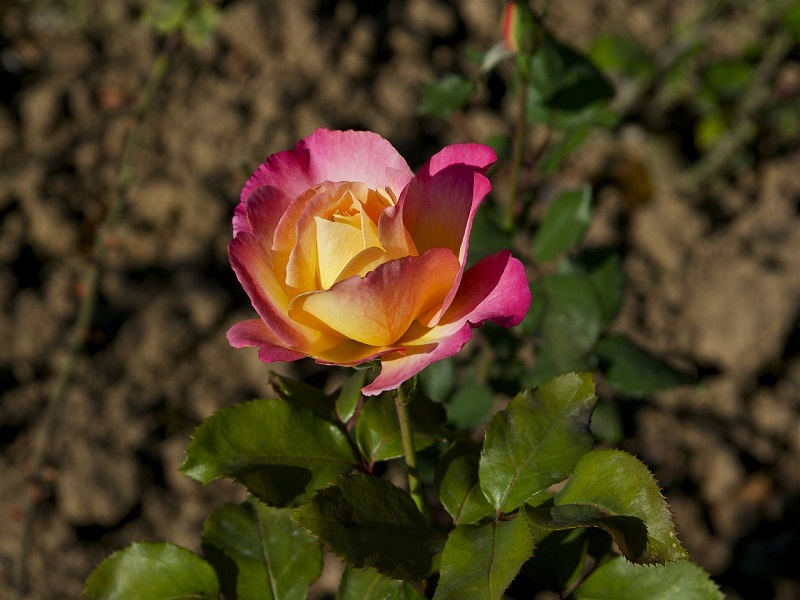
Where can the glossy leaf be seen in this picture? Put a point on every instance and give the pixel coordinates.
(480, 561)
(145, 571)
(621, 580)
(371, 523)
(350, 395)
(564, 224)
(456, 480)
(615, 484)
(260, 554)
(279, 452)
(378, 431)
(470, 406)
(368, 584)
(444, 97)
(302, 395)
(537, 440)
(635, 371)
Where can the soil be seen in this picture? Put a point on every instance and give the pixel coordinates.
(714, 274)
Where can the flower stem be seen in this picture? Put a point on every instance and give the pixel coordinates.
(518, 152)
(404, 419)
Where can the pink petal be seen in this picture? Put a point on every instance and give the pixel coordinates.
(401, 366)
(478, 156)
(253, 267)
(495, 288)
(379, 308)
(254, 332)
(335, 156)
(264, 209)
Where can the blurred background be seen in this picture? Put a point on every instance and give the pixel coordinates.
(696, 186)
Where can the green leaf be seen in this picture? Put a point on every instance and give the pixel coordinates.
(635, 371)
(378, 431)
(560, 558)
(615, 484)
(487, 236)
(368, 584)
(564, 224)
(608, 278)
(444, 97)
(350, 395)
(470, 406)
(621, 580)
(259, 553)
(371, 523)
(146, 571)
(537, 440)
(630, 533)
(623, 55)
(436, 380)
(729, 78)
(302, 395)
(480, 561)
(571, 322)
(457, 484)
(279, 452)
(562, 84)
(201, 24)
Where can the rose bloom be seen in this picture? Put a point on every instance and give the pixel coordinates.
(347, 256)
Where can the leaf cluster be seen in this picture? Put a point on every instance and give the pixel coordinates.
(495, 515)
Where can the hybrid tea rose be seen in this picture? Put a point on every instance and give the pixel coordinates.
(347, 256)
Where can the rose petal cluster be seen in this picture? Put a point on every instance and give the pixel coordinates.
(348, 256)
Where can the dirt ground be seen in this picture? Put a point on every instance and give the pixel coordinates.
(714, 274)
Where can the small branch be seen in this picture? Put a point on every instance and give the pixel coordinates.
(518, 153)
(404, 419)
(83, 320)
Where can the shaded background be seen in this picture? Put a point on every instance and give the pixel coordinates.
(714, 272)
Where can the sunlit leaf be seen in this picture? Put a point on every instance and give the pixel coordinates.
(371, 523)
(621, 580)
(564, 224)
(537, 440)
(633, 370)
(613, 484)
(622, 55)
(444, 97)
(456, 481)
(480, 561)
(378, 431)
(146, 571)
(278, 451)
(260, 554)
(368, 584)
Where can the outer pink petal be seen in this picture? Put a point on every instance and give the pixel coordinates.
(473, 155)
(263, 210)
(400, 366)
(495, 289)
(253, 268)
(327, 155)
(254, 332)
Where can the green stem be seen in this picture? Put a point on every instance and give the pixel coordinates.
(518, 153)
(83, 320)
(404, 419)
